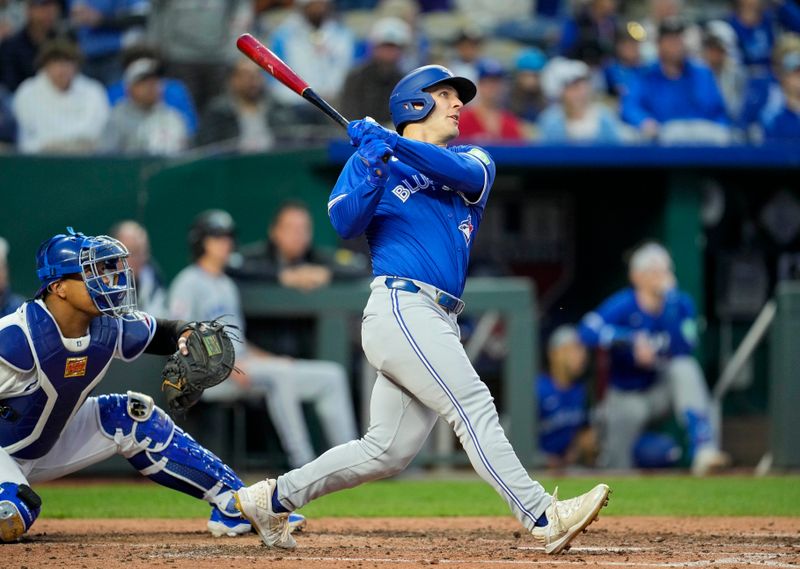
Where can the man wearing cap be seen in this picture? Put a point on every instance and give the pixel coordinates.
(573, 114)
(419, 202)
(565, 436)
(676, 99)
(142, 123)
(60, 110)
(784, 123)
(488, 120)
(18, 52)
(242, 118)
(526, 99)
(367, 87)
(720, 53)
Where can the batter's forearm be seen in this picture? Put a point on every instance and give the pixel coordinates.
(351, 213)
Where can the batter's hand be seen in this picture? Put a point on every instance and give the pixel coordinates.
(359, 130)
(373, 152)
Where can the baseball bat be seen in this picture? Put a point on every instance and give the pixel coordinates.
(272, 64)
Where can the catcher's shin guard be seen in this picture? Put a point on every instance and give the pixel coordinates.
(162, 451)
(19, 508)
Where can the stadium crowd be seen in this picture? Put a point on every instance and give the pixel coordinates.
(164, 77)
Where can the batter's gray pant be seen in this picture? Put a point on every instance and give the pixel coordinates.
(423, 373)
(681, 387)
(286, 385)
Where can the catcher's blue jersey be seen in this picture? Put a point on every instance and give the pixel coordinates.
(422, 225)
(47, 382)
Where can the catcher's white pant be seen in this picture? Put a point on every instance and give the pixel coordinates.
(81, 444)
(423, 373)
(286, 384)
(624, 415)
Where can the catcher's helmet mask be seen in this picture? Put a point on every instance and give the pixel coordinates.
(411, 100)
(100, 261)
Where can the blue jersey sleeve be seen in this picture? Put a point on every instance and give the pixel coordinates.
(353, 200)
(680, 322)
(604, 326)
(467, 169)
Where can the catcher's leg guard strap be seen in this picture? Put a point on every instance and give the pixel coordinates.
(19, 508)
(162, 451)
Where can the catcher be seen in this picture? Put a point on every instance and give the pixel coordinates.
(57, 347)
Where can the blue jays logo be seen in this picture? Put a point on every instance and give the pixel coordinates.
(466, 227)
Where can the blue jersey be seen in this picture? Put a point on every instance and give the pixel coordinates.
(618, 320)
(422, 224)
(45, 378)
(562, 414)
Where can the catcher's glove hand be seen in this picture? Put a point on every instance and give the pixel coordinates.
(209, 361)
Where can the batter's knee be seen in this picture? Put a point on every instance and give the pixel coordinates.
(389, 458)
(19, 508)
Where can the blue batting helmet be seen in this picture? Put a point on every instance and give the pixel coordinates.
(102, 263)
(409, 102)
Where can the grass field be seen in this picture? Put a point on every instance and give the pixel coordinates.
(632, 496)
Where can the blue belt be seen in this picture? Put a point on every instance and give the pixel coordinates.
(443, 299)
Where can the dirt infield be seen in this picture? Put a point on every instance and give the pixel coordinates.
(460, 543)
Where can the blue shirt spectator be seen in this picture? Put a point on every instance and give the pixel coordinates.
(757, 28)
(103, 28)
(678, 90)
(626, 65)
(784, 123)
(589, 36)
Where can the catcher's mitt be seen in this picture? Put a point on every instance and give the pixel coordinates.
(210, 361)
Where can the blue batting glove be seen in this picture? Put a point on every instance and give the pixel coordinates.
(375, 154)
(356, 130)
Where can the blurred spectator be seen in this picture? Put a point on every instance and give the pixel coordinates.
(418, 50)
(8, 124)
(288, 255)
(242, 116)
(784, 124)
(491, 13)
(650, 332)
(565, 435)
(527, 98)
(18, 52)
(142, 123)
(758, 25)
(722, 57)
(59, 110)
(203, 291)
(486, 120)
(197, 40)
(573, 115)
(12, 17)
(677, 99)
(173, 91)
(468, 47)
(315, 45)
(368, 86)
(626, 65)
(9, 301)
(104, 28)
(151, 289)
(589, 35)
(659, 11)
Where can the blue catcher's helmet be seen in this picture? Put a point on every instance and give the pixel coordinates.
(409, 93)
(102, 263)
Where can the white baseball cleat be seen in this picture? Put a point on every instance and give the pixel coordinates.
(567, 518)
(255, 504)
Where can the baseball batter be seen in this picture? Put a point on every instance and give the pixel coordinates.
(420, 203)
(53, 351)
